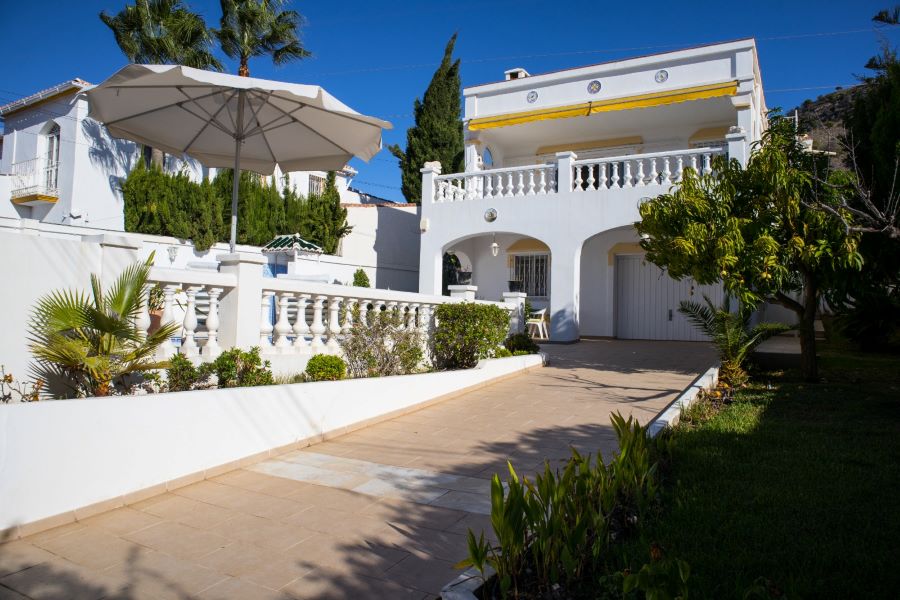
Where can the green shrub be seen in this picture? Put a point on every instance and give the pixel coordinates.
(521, 342)
(466, 332)
(236, 368)
(380, 347)
(325, 367)
(555, 529)
(360, 279)
(182, 375)
(502, 353)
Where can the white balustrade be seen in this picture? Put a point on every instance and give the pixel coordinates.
(189, 345)
(301, 328)
(167, 349)
(318, 325)
(265, 325)
(283, 327)
(211, 348)
(495, 183)
(639, 170)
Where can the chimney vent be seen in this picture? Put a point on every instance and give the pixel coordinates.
(517, 73)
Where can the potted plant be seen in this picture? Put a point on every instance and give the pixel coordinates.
(155, 307)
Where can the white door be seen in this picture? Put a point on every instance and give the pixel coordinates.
(647, 302)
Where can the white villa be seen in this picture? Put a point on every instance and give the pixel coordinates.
(556, 167)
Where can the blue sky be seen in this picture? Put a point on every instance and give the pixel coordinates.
(378, 56)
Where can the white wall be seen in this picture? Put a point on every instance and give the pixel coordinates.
(59, 456)
(385, 236)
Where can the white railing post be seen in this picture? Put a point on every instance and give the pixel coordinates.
(318, 326)
(349, 306)
(167, 349)
(189, 346)
(364, 311)
(517, 317)
(283, 326)
(301, 329)
(265, 326)
(564, 165)
(738, 147)
(239, 308)
(429, 172)
(211, 348)
(334, 324)
(412, 316)
(463, 292)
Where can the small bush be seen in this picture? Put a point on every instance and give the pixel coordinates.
(236, 368)
(325, 367)
(521, 342)
(360, 279)
(502, 353)
(466, 332)
(182, 375)
(380, 347)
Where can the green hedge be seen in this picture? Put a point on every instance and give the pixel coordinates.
(325, 367)
(467, 332)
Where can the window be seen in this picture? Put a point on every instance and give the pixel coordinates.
(316, 185)
(51, 159)
(531, 270)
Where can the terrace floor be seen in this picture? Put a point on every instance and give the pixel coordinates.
(378, 513)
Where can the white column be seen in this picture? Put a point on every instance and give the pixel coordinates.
(265, 327)
(334, 324)
(240, 307)
(189, 344)
(463, 292)
(564, 166)
(301, 329)
(518, 317)
(318, 326)
(565, 288)
(429, 172)
(211, 348)
(283, 327)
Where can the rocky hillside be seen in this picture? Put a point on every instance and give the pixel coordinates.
(823, 119)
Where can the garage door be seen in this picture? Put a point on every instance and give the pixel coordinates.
(647, 302)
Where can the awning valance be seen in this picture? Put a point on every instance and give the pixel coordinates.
(700, 92)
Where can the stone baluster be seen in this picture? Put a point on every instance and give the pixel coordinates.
(639, 180)
(318, 326)
(601, 182)
(614, 177)
(142, 318)
(301, 328)
(488, 186)
(707, 163)
(211, 348)
(425, 326)
(520, 183)
(667, 172)
(577, 180)
(334, 324)
(412, 316)
(283, 327)
(401, 315)
(679, 168)
(349, 307)
(364, 311)
(590, 178)
(391, 310)
(694, 164)
(542, 181)
(189, 346)
(265, 325)
(654, 173)
(167, 348)
(628, 180)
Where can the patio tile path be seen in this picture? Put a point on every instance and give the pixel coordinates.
(378, 513)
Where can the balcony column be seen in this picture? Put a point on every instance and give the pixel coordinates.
(518, 317)
(565, 287)
(239, 311)
(429, 172)
(564, 166)
(738, 145)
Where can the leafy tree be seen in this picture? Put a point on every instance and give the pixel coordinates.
(251, 28)
(162, 32)
(757, 231)
(731, 333)
(360, 279)
(325, 222)
(437, 134)
(88, 343)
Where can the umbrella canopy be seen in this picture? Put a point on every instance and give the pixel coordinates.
(230, 121)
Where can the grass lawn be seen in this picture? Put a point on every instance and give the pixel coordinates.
(793, 483)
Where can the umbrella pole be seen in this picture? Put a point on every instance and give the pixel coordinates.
(236, 176)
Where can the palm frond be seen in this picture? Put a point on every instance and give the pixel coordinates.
(702, 317)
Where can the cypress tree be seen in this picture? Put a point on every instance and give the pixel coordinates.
(438, 133)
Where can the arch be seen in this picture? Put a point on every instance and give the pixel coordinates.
(597, 309)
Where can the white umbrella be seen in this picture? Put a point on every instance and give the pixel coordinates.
(230, 121)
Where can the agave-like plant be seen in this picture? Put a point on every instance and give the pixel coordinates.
(731, 333)
(89, 343)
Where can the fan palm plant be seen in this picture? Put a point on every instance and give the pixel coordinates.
(89, 343)
(251, 28)
(731, 333)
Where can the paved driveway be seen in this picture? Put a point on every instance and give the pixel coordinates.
(379, 513)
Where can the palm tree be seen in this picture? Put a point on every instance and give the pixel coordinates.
(251, 28)
(731, 333)
(90, 343)
(163, 32)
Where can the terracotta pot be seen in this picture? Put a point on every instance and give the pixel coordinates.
(155, 320)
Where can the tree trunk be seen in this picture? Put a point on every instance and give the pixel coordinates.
(807, 329)
(244, 69)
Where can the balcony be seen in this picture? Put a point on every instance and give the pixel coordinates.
(35, 182)
(568, 174)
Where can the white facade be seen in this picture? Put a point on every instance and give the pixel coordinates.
(557, 165)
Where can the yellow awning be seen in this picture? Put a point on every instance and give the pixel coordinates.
(584, 109)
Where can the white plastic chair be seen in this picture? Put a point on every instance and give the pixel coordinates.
(537, 324)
